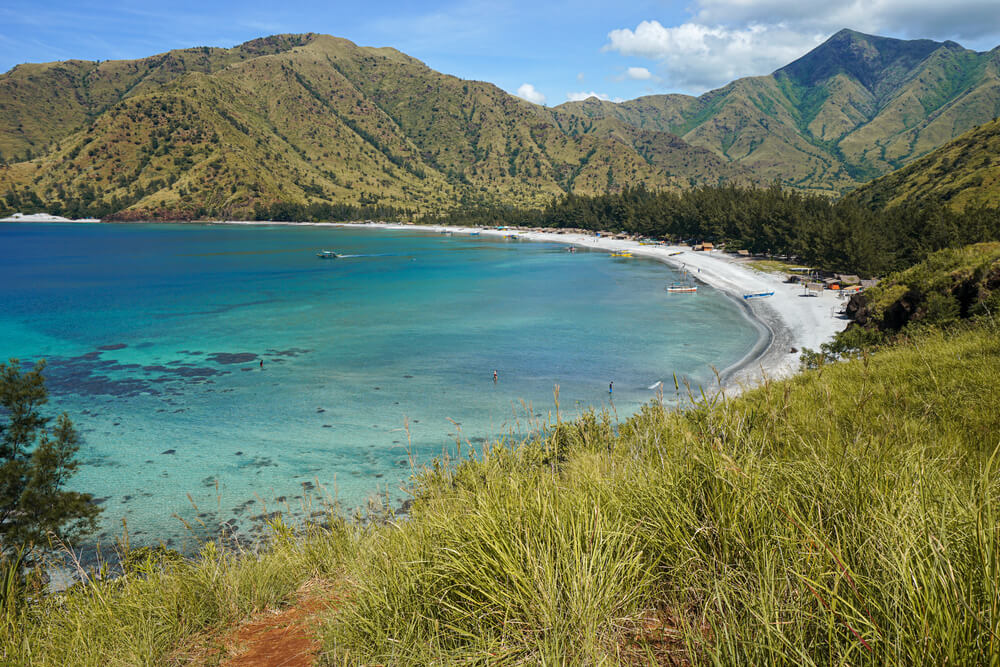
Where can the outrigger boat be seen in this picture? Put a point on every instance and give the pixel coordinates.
(621, 253)
(758, 295)
(686, 287)
(327, 254)
(674, 254)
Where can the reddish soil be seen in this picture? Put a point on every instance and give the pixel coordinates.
(285, 638)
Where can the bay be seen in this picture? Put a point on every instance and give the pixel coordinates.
(220, 373)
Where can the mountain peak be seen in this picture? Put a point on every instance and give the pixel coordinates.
(868, 58)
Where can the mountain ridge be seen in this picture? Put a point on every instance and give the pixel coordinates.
(316, 119)
(854, 108)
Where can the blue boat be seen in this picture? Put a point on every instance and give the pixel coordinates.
(758, 295)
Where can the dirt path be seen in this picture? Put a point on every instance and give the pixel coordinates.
(285, 638)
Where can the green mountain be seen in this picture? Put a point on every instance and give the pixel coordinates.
(308, 119)
(962, 173)
(854, 108)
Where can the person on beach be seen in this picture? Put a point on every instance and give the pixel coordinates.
(494, 376)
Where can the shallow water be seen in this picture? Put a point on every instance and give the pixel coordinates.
(155, 334)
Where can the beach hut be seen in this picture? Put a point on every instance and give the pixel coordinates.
(832, 283)
(814, 289)
(743, 253)
(848, 279)
(706, 246)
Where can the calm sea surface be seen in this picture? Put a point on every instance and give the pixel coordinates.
(154, 337)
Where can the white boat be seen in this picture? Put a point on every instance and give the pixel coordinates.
(327, 254)
(682, 289)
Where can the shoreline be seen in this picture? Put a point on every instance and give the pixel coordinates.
(786, 321)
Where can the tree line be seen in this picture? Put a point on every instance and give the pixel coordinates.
(836, 235)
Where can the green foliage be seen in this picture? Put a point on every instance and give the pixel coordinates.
(945, 291)
(837, 236)
(35, 463)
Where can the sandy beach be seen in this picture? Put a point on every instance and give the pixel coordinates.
(789, 321)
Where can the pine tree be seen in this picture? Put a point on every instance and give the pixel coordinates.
(36, 461)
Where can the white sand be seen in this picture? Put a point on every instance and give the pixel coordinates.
(788, 320)
(42, 217)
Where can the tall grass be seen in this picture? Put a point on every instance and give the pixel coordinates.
(846, 516)
(155, 609)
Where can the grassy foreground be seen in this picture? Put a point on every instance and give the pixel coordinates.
(850, 515)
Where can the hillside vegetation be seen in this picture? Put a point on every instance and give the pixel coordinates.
(847, 515)
(950, 285)
(962, 174)
(856, 107)
(307, 119)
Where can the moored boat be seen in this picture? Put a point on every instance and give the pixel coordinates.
(682, 289)
(758, 295)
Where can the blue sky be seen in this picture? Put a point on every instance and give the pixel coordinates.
(547, 52)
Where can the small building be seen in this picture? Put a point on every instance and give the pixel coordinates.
(706, 246)
(848, 279)
(814, 289)
(743, 253)
(832, 283)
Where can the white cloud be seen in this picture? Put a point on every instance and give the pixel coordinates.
(581, 96)
(530, 93)
(638, 74)
(728, 39)
(960, 20)
(697, 57)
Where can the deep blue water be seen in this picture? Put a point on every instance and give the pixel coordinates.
(154, 336)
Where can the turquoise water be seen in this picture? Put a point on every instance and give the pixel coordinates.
(155, 334)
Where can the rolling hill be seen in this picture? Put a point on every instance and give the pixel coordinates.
(854, 108)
